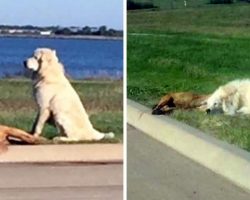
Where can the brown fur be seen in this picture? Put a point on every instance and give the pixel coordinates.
(8, 134)
(179, 100)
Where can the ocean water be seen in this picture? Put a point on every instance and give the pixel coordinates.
(81, 58)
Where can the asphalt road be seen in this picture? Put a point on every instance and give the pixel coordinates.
(157, 172)
(61, 181)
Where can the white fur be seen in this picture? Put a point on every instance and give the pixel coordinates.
(54, 94)
(232, 98)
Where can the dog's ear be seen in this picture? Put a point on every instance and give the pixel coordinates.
(164, 100)
(227, 91)
(49, 56)
(45, 57)
(171, 103)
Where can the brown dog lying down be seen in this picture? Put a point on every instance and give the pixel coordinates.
(8, 134)
(179, 100)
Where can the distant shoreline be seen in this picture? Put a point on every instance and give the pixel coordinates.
(84, 37)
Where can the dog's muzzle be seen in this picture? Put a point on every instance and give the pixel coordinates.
(158, 112)
(208, 111)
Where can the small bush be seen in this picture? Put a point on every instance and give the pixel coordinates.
(134, 6)
(222, 1)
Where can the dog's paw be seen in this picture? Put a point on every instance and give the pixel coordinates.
(41, 140)
(110, 135)
(36, 135)
(57, 140)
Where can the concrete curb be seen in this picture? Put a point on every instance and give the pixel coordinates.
(77, 153)
(222, 158)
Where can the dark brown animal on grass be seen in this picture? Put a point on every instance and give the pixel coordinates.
(179, 100)
(10, 134)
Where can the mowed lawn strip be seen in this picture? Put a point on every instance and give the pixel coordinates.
(232, 20)
(170, 61)
(102, 100)
(173, 4)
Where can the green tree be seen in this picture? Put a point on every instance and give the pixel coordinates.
(102, 30)
(86, 30)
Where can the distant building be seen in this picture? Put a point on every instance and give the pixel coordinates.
(14, 31)
(45, 32)
(19, 31)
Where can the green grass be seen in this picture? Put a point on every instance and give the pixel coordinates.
(230, 20)
(174, 4)
(102, 100)
(191, 50)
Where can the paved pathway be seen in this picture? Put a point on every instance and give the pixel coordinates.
(157, 172)
(63, 153)
(61, 181)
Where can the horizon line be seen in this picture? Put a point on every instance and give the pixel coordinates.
(44, 26)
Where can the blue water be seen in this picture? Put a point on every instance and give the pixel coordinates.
(81, 58)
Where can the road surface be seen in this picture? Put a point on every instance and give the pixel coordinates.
(157, 172)
(61, 181)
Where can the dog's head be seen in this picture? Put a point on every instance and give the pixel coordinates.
(42, 58)
(164, 107)
(216, 102)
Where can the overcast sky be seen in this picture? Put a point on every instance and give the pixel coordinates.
(62, 12)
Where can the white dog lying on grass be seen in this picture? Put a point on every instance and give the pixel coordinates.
(232, 98)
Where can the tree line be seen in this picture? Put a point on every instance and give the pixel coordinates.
(132, 5)
(150, 4)
(101, 31)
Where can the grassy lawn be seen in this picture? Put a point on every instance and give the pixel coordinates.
(195, 50)
(102, 100)
(231, 20)
(174, 4)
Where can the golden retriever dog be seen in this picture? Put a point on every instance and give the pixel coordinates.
(56, 98)
(232, 98)
(179, 100)
(11, 134)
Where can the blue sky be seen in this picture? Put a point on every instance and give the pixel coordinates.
(62, 12)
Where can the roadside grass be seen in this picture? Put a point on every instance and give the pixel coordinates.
(173, 4)
(102, 100)
(172, 60)
(231, 20)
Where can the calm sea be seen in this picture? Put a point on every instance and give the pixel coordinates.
(81, 58)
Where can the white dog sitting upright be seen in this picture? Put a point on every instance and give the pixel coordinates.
(232, 98)
(56, 97)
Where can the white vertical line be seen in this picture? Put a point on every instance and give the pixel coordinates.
(124, 99)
